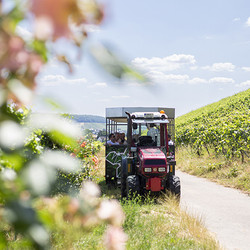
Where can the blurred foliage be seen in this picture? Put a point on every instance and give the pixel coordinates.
(39, 151)
(112, 64)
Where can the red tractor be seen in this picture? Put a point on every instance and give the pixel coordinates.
(150, 165)
(148, 158)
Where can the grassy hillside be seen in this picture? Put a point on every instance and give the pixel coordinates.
(90, 121)
(88, 118)
(214, 141)
(239, 102)
(97, 126)
(222, 127)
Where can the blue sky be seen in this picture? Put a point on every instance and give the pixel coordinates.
(196, 52)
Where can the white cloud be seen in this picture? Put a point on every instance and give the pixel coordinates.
(161, 77)
(248, 22)
(120, 96)
(220, 67)
(182, 58)
(98, 85)
(101, 84)
(49, 78)
(246, 69)
(172, 78)
(244, 84)
(76, 81)
(104, 100)
(54, 80)
(236, 19)
(168, 63)
(193, 68)
(224, 80)
(208, 37)
(197, 80)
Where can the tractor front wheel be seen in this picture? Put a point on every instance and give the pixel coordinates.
(174, 185)
(132, 186)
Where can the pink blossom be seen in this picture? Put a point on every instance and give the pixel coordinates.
(115, 238)
(95, 160)
(13, 54)
(73, 154)
(35, 64)
(73, 206)
(43, 28)
(90, 191)
(55, 15)
(57, 12)
(111, 211)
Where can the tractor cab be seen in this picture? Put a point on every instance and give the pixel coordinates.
(153, 130)
(146, 162)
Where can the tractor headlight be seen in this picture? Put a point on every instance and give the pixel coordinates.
(147, 170)
(161, 169)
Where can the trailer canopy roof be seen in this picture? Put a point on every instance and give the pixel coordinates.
(118, 114)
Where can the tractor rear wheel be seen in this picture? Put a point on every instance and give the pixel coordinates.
(132, 186)
(174, 185)
(124, 174)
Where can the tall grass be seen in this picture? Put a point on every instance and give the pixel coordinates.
(157, 225)
(229, 172)
(152, 223)
(162, 224)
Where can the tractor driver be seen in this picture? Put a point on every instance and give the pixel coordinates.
(154, 133)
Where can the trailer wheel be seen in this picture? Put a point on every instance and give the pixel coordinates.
(174, 185)
(132, 186)
(124, 174)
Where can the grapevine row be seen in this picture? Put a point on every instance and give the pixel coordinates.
(225, 130)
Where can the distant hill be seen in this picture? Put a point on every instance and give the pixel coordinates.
(88, 118)
(222, 127)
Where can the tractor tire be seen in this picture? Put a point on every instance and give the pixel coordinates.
(174, 185)
(124, 174)
(132, 186)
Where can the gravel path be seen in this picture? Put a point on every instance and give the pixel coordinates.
(225, 211)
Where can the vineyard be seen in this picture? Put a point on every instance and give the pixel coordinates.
(221, 128)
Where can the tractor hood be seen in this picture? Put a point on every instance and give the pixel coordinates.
(153, 163)
(151, 154)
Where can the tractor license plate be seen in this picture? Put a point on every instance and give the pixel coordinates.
(148, 115)
(155, 184)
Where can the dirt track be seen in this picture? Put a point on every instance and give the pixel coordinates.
(225, 211)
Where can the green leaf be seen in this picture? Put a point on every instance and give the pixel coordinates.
(62, 139)
(3, 240)
(40, 48)
(12, 160)
(25, 220)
